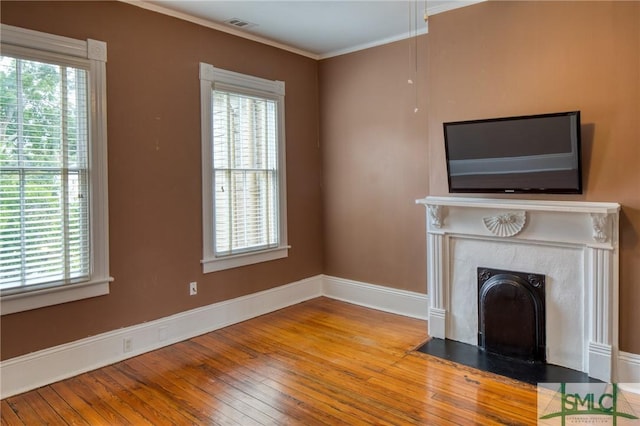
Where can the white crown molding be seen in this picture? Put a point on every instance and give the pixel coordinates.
(375, 43)
(451, 5)
(219, 27)
(432, 10)
(444, 7)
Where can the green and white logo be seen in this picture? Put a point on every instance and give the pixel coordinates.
(586, 404)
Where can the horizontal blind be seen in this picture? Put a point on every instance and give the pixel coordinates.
(245, 173)
(44, 191)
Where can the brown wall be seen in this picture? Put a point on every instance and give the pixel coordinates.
(153, 107)
(488, 60)
(378, 156)
(374, 150)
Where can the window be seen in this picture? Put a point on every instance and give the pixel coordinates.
(53, 193)
(243, 174)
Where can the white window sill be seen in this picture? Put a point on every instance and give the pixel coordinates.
(53, 296)
(228, 262)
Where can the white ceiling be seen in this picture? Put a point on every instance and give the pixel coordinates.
(318, 29)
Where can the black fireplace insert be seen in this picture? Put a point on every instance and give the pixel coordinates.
(511, 314)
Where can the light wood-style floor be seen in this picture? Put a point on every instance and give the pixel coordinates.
(319, 362)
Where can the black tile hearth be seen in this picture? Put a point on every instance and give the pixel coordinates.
(474, 357)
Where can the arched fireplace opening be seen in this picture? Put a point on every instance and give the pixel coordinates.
(511, 314)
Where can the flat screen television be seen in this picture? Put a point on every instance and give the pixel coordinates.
(534, 153)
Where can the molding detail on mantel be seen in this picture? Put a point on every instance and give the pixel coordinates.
(436, 215)
(601, 229)
(505, 224)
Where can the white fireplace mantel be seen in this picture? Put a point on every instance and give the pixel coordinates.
(574, 243)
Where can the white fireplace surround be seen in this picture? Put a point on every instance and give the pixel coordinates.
(573, 243)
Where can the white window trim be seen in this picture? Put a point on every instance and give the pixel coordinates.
(209, 75)
(96, 53)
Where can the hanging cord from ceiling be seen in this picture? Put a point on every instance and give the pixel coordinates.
(413, 47)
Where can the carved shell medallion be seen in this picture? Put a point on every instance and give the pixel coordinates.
(505, 224)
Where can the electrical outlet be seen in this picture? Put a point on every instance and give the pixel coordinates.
(193, 288)
(127, 344)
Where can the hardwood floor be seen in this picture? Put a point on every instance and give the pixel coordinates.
(319, 362)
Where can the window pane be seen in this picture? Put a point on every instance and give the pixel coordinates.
(44, 226)
(245, 173)
(9, 150)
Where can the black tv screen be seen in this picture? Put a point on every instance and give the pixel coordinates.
(534, 153)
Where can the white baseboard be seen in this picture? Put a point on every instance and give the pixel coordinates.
(437, 323)
(629, 371)
(600, 361)
(47, 366)
(402, 302)
(50, 365)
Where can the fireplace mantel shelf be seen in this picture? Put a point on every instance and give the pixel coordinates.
(528, 205)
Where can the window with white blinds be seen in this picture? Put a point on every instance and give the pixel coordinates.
(243, 169)
(44, 212)
(245, 172)
(53, 236)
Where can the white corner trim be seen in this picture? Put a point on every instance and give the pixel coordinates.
(402, 302)
(49, 365)
(97, 50)
(629, 371)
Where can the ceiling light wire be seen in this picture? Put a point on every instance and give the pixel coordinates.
(413, 49)
(415, 17)
(410, 80)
